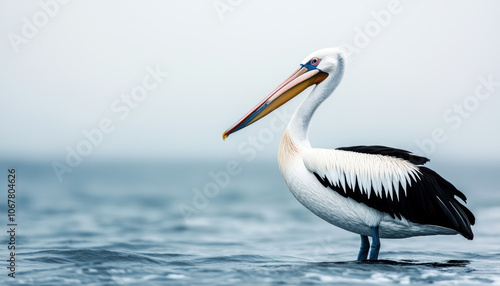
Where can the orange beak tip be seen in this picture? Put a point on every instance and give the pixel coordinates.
(224, 136)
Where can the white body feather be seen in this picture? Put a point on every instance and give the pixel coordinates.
(297, 164)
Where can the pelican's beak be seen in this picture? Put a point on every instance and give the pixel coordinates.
(301, 79)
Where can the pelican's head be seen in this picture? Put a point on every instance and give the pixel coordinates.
(313, 70)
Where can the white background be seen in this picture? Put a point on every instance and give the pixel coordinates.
(395, 91)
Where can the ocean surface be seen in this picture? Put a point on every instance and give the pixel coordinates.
(146, 223)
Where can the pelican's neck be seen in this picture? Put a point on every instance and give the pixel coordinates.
(299, 124)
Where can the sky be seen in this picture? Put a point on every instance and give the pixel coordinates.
(421, 75)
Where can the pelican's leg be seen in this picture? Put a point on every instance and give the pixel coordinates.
(363, 251)
(375, 244)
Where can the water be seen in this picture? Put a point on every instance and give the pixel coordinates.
(120, 224)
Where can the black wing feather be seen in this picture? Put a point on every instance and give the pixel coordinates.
(387, 151)
(429, 200)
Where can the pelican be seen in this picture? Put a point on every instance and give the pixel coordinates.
(374, 191)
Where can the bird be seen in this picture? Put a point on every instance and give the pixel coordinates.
(371, 190)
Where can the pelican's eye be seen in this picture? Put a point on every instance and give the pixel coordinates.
(315, 61)
(312, 64)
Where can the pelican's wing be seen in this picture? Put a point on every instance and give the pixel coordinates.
(391, 181)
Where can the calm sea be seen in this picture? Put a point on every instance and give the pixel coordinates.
(172, 223)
